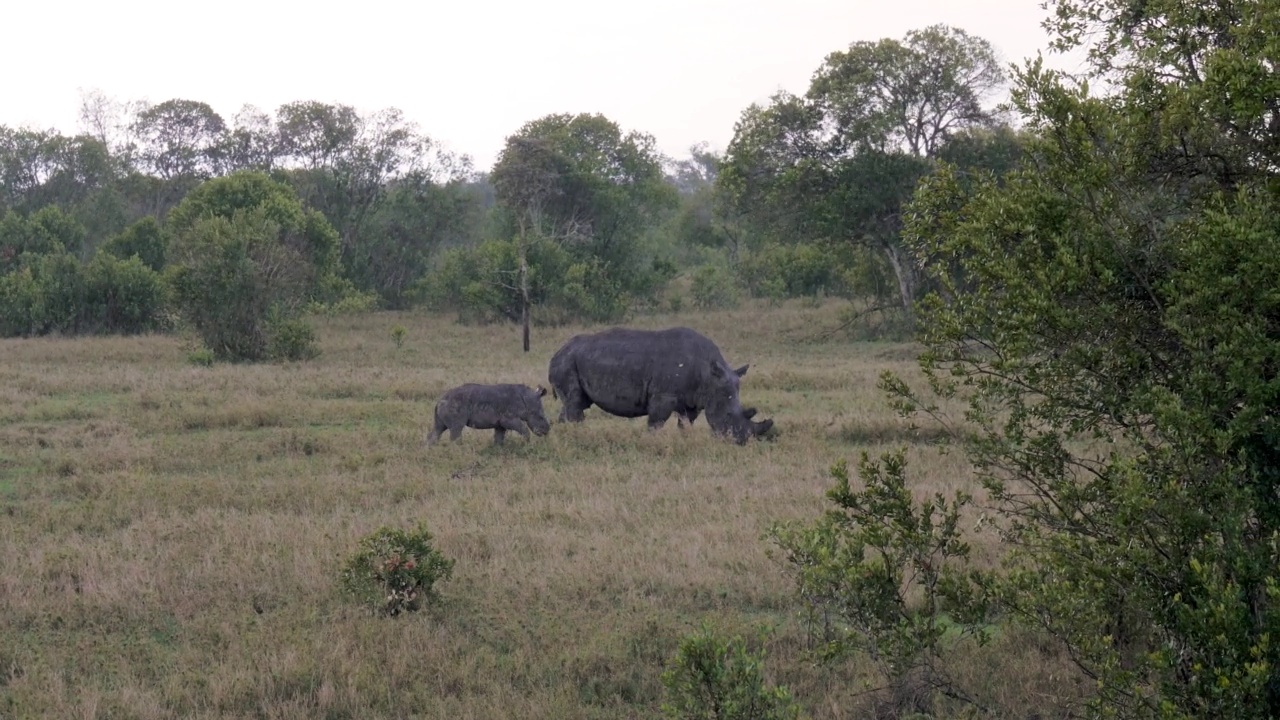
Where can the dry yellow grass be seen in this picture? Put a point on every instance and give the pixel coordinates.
(170, 535)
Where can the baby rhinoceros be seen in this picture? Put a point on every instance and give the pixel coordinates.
(484, 407)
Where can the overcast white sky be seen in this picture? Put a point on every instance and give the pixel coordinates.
(469, 73)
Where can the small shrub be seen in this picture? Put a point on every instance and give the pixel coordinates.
(336, 296)
(201, 356)
(396, 571)
(397, 336)
(714, 288)
(292, 340)
(774, 289)
(776, 271)
(719, 679)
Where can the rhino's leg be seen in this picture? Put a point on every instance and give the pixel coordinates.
(686, 417)
(499, 435)
(437, 429)
(660, 409)
(516, 425)
(574, 403)
(455, 432)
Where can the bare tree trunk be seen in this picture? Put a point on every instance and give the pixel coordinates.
(524, 285)
(905, 274)
(524, 293)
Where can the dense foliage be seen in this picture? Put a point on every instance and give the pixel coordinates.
(1106, 313)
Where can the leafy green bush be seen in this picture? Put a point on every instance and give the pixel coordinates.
(482, 284)
(232, 278)
(123, 296)
(47, 231)
(396, 571)
(201, 356)
(54, 293)
(304, 232)
(293, 339)
(716, 679)
(776, 271)
(20, 303)
(144, 239)
(590, 293)
(44, 294)
(885, 573)
(714, 287)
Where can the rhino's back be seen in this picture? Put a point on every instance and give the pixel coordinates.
(473, 396)
(622, 368)
(683, 343)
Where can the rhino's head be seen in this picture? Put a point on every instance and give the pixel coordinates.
(724, 412)
(533, 411)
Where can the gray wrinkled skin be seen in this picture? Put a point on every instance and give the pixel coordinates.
(490, 407)
(655, 373)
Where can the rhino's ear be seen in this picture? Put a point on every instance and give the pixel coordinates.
(742, 370)
(716, 370)
(541, 391)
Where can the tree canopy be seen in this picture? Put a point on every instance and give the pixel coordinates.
(1106, 314)
(838, 163)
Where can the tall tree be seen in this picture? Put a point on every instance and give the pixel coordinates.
(252, 142)
(344, 163)
(179, 139)
(907, 95)
(578, 180)
(838, 163)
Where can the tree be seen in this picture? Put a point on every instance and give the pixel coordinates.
(696, 172)
(48, 231)
(252, 143)
(344, 164)
(24, 165)
(178, 143)
(306, 231)
(578, 180)
(909, 95)
(245, 258)
(179, 139)
(416, 217)
(144, 240)
(1109, 321)
(838, 163)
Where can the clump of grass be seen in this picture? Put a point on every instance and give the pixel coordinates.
(201, 357)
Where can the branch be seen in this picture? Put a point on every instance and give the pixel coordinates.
(822, 335)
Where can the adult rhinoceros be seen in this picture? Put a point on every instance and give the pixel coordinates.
(631, 373)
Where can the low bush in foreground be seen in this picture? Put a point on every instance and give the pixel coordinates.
(718, 679)
(396, 571)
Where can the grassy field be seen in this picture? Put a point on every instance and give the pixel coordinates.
(171, 535)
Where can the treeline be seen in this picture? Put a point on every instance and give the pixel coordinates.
(578, 219)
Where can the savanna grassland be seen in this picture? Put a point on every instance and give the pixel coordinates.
(171, 535)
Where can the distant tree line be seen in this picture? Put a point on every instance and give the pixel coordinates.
(577, 220)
